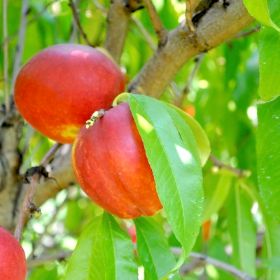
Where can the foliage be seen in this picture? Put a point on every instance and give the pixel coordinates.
(234, 96)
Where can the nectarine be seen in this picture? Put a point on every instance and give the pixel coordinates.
(12, 258)
(59, 88)
(112, 168)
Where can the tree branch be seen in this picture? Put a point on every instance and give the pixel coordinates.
(221, 165)
(6, 55)
(180, 99)
(59, 256)
(21, 40)
(118, 20)
(222, 265)
(215, 27)
(61, 171)
(156, 22)
(201, 260)
(117, 27)
(77, 22)
(26, 204)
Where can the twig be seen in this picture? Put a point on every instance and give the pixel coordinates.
(60, 256)
(204, 259)
(155, 76)
(100, 7)
(189, 15)
(6, 55)
(49, 224)
(50, 154)
(33, 19)
(221, 165)
(156, 22)
(248, 32)
(21, 37)
(26, 205)
(222, 265)
(188, 86)
(145, 33)
(77, 22)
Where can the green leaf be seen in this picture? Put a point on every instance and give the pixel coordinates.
(104, 251)
(259, 9)
(201, 138)
(242, 230)
(272, 246)
(216, 195)
(269, 63)
(171, 150)
(268, 154)
(153, 249)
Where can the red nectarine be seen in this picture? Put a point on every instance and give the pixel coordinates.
(12, 258)
(59, 88)
(111, 165)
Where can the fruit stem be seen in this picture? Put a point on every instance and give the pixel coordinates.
(94, 117)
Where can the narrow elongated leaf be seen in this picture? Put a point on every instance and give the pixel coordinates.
(242, 230)
(171, 150)
(216, 195)
(271, 250)
(153, 249)
(103, 251)
(268, 152)
(201, 138)
(269, 63)
(259, 9)
(272, 246)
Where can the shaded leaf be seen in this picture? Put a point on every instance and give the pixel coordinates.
(153, 249)
(215, 195)
(242, 230)
(104, 251)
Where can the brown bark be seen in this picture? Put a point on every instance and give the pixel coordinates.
(219, 24)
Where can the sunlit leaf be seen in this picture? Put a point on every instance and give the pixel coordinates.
(172, 153)
(268, 149)
(259, 9)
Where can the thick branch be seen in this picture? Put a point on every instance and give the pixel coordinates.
(156, 75)
(10, 160)
(61, 176)
(216, 26)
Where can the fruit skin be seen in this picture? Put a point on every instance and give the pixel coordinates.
(12, 258)
(59, 88)
(111, 166)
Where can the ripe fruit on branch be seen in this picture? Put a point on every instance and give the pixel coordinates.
(59, 88)
(12, 258)
(112, 168)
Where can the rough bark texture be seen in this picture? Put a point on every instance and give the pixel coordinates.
(216, 26)
(219, 24)
(10, 161)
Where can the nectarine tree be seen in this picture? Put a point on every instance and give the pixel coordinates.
(109, 110)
